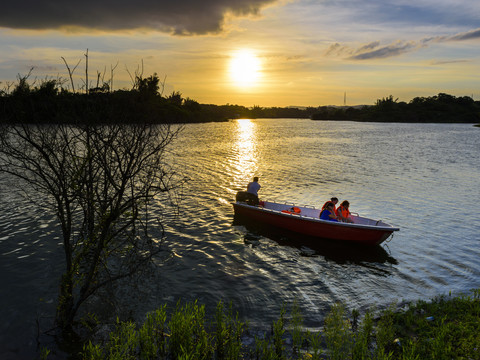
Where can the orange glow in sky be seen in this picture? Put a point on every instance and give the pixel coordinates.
(263, 52)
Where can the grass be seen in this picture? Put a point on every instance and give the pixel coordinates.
(444, 328)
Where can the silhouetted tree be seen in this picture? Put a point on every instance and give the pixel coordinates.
(175, 98)
(149, 86)
(100, 181)
(191, 105)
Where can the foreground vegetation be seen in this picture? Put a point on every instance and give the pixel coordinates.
(444, 328)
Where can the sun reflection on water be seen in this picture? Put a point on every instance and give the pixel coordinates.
(245, 150)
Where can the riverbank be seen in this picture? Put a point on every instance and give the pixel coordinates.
(446, 327)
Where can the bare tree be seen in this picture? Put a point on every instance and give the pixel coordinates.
(70, 72)
(100, 180)
(162, 85)
(112, 69)
(138, 75)
(86, 73)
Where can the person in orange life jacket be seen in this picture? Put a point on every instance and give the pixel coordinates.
(328, 213)
(343, 213)
(333, 200)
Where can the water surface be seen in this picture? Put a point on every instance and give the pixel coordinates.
(422, 178)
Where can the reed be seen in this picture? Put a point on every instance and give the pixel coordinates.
(443, 328)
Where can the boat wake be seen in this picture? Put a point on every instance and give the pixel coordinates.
(336, 251)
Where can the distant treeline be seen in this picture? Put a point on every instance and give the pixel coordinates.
(49, 101)
(436, 109)
(442, 108)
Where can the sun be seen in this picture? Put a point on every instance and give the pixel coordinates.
(245, 68)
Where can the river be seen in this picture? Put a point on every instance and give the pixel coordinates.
(422, 178)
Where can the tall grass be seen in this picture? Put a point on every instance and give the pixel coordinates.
(445, 328)
(229, 330)
(188, 336)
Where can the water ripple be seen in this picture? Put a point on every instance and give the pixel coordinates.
(408, 175)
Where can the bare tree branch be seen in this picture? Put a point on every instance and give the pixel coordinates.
(112, 69)
(100, 180)
(70, 72)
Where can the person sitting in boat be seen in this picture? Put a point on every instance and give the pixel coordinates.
(328, 213)
(333, 200)
(253, 188)
(343, 213)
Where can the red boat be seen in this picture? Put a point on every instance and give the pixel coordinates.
(305, 220)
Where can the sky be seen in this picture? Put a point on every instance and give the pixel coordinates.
(250, 52)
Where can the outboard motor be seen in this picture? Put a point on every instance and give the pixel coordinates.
(246, 197)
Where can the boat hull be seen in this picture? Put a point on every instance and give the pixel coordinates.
(352, 233)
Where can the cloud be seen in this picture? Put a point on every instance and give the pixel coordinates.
(469, 35)
(463, 36)
(338, 50)
(368, 47)
(444, 62)
(373, 50)
(181, 17)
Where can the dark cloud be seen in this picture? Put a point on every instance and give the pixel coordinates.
(385, 51)
(368, 47)
(473, 34)
(373, 50)
(463, 36)
(183, 17)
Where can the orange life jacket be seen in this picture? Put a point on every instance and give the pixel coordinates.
(343, 211)
(335, 210)
(294, 210)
